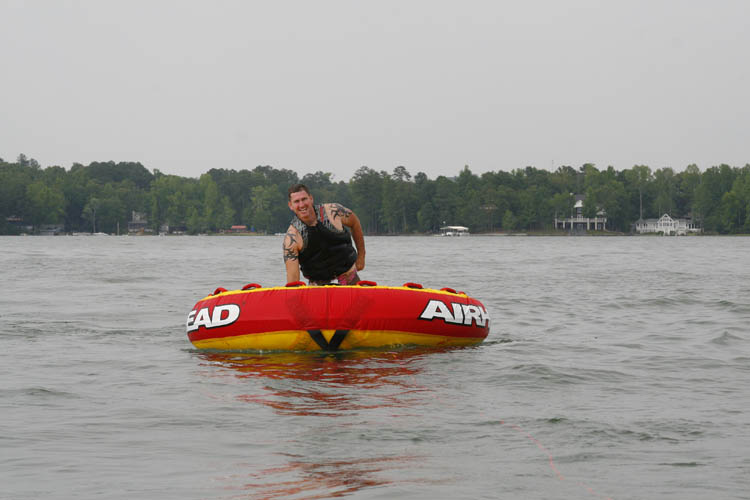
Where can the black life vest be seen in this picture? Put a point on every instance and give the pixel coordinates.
(327, 252)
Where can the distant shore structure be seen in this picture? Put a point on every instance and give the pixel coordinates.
(138, 223)
(454, 231)
(577, 223)
(668, 226)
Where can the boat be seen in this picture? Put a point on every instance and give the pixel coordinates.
(296, 317)
(454, 231)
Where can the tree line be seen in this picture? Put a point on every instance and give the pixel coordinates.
(101, 196)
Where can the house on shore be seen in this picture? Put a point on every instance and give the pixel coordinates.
(578, 223)
(51, 229)
(18, 224)
(668, 226)
(138, 223)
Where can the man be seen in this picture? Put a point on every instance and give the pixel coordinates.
(319, 241)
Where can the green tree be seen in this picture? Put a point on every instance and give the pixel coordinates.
(77, 189)
(735, 204)
(217, 209)
(112, 173)
(496, 198)
(225, 215)
(14, 182)
(687, 183)
(665, 185)
(509, 221)
(566, 180)
(46, 205)
(427, 218)
(104, 194)
(89, 212)
(399, 208)
(533, 208)
(562, 204)
(367, 191)
(321, 186)
(613, 200)
(263, 201)
(445, 201)
(468, 201)
(639, 176)
(715, 181)
(195, 222)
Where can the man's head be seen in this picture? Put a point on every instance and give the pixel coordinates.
(296, 188)
(301, 203)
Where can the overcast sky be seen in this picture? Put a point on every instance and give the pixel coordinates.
(186, 86)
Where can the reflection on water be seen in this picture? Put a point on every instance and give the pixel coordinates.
(347, 367)
(334, 393)
(325, 479)
(331, 384)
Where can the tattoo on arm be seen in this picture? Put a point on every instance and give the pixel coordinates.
(340, 211)
(290, 241)
(290, 255)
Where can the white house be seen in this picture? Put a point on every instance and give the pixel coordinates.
(578, 222)
(667, 225)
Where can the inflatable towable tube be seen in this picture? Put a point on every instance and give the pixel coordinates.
(310, 318)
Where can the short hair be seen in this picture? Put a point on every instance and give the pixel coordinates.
(296, 188)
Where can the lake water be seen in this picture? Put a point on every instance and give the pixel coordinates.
(615, 368)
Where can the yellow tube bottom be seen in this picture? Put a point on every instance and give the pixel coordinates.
(300, 340)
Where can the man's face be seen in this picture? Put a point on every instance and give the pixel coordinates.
(301, 203)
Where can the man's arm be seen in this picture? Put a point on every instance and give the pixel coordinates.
(290, 247)
(350, 219)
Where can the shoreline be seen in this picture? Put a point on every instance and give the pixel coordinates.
(428, 235)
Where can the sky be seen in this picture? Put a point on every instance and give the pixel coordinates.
(332, 85)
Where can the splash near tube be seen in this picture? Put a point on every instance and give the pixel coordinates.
(311, 318)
